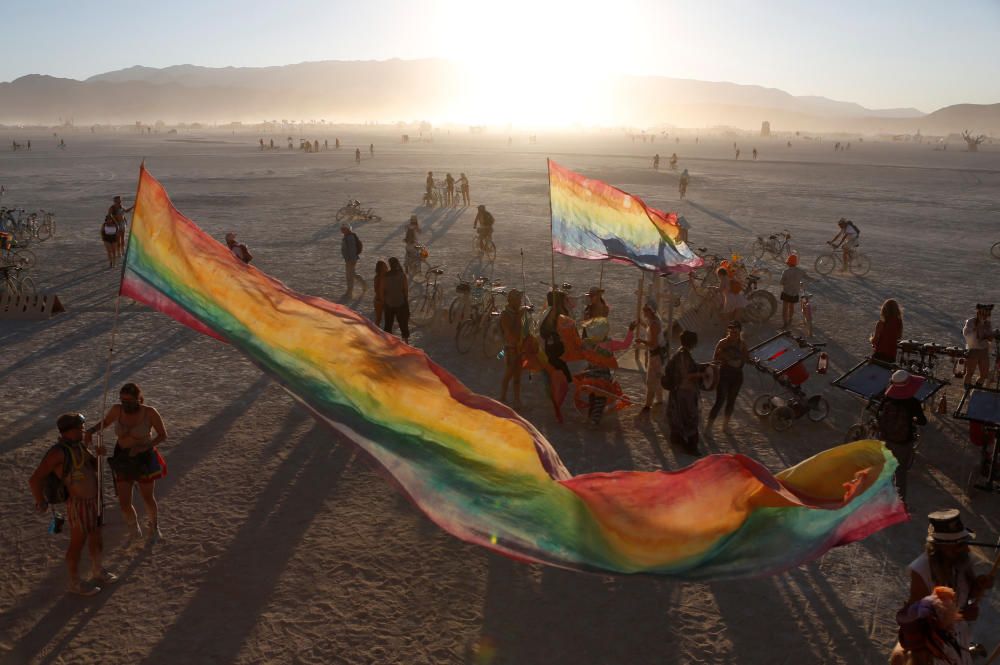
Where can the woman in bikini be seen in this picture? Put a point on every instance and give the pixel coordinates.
(136, 459)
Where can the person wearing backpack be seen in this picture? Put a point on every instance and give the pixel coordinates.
(350, 249)
(109, 235)
(68, 472)
(847, 239)
(900, 409)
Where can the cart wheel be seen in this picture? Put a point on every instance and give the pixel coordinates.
(762, 406)
(855, 432)
(781, 418)
(819, 408)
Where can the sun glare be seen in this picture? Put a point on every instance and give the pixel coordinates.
(536, 63)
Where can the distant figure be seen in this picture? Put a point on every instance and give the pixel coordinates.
(357, 155)
(483, 224)
(290, 144)
(836, 146)
(673, 162)
(117, 211)
(449, 191)
(737, 153)
(371, 149)
(62, 144)
(326, 144)
(239, 250)
(463, 186)
(755, 154)
(789, 144)
(336, 144)
(29, 146)
(262, 145)
(316, 145)
(696, 140)
(656, 161)
(683, 184)
(849, 146)
(272, 144)
(429, 189)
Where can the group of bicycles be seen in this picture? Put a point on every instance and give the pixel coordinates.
(19, 229)
(778, 247)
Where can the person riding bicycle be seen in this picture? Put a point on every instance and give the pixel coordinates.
(847, 238)
(484, 227)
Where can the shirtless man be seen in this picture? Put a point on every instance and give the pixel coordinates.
(449, 184)
(463, 186)
(512, 325)
(117, 211)
(78, 472)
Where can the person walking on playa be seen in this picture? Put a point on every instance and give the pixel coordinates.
(378, 286)
(135, 459)
(429, 188)
(239, 249)
(109, 236)
(791, 282)
(656, 161)
(350, 249)
(357, 155)
(683, 376)
(737, 154)
(755, 154)
(732, 354)
(463, 186)
(512, 328)
(449, 190)
(978, 333)
(683, 183)
(396, 299)
(944, 562)
(888, 332)
(412, 248)
(371, 149)
(75, 466)
(117, 211)
(656, 345)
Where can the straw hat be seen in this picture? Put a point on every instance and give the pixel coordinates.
(903, 385)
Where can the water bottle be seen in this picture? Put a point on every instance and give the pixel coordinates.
(500, 355)
(822, 363)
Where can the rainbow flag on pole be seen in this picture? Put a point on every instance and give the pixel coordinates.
(473, 465)
(593, 220)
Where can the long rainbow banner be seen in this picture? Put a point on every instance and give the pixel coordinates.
(475, 467)
(593, 220)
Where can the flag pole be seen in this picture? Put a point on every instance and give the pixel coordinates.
(111, 352)
(552, 251)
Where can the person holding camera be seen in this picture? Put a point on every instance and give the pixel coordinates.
(136, 459)
(978, 332)
(72, 462)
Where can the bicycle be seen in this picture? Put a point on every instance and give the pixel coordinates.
(857, 263)
(776, 244)
(15, 284)
(426, 297)
(805, 305)
(761, 305)
(493, 339)
(352, 211)
(479, 318)
(995, 250)
(469, 293)
(484, 246)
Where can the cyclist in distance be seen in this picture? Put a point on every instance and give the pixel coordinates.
(484, 227)
(847, 239)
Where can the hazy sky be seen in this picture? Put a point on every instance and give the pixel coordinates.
(879, 53)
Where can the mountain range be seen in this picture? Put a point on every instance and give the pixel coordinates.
(411, 90)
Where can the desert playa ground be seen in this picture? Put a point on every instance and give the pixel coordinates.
(282, 545)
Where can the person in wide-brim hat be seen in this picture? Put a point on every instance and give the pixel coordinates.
(903, 385)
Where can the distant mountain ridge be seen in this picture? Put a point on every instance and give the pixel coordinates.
(388, 90)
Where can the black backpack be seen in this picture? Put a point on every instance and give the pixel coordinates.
(895, 422)
(54, 488)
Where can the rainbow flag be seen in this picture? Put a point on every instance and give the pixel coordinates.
(475, 467)
(593, 220)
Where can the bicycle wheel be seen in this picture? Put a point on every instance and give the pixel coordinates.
(458, 310)
(855, 432)
(860, 265)
(757, 248)
(24, 258)
(491, 250)
(761, 306)
(781, 418)
(492, 339)
(9, 286)
(343, 214)
(825, 263)
(426, 309)
(819, 408)
(995, 250)
(763, 406)
(27, 286)
(465, 335)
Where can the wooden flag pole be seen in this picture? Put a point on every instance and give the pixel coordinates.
(638, 310)
(552, 251)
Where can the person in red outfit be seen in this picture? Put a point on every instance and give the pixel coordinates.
(888, 332)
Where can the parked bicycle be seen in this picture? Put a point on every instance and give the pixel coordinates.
(857, 263)
(416, 265)
(425, 297)
(15, 282)
(479, 319)
(776, 244)
(352, 211)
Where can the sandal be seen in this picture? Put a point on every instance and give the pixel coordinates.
(78, 589)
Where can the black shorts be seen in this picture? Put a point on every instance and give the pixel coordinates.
(788, 298)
